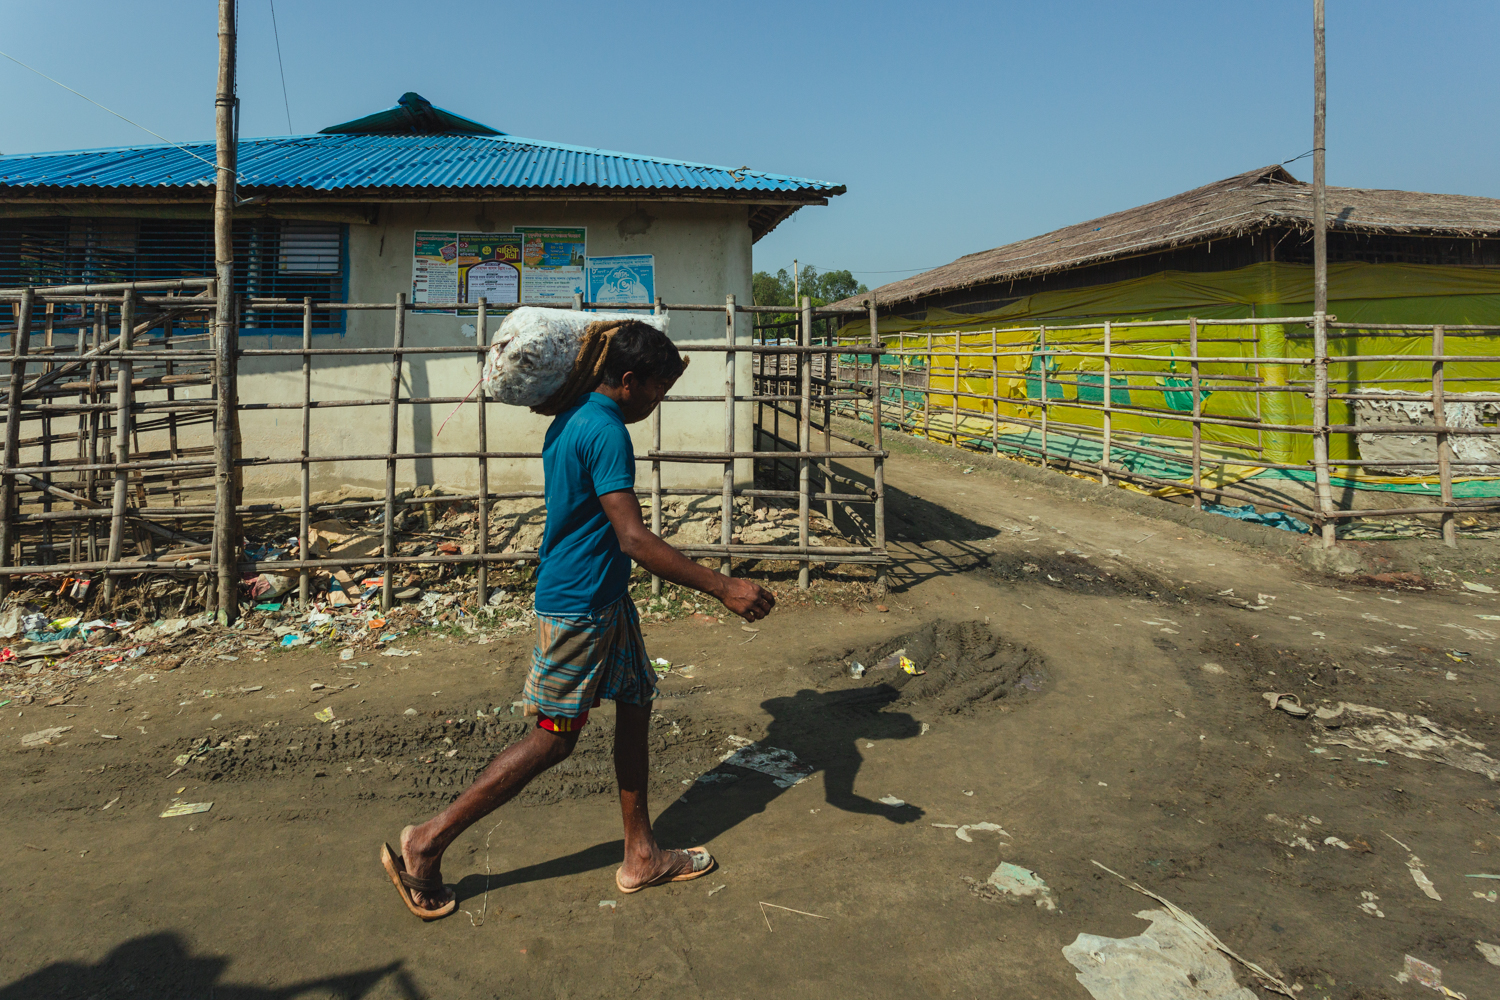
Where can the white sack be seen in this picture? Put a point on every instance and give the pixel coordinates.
(534, 349)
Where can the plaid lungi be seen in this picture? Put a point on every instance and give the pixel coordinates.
(579, 661)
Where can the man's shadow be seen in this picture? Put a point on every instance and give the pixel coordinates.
(822, 729)
(163, 965)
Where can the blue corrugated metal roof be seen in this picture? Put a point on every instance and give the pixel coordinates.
(348, 163)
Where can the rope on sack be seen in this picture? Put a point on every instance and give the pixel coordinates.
(588, 367)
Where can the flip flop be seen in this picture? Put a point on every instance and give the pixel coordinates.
(1288, 703)
(404, 881)
(703, 863)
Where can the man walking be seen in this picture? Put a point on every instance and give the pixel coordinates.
(589, 645)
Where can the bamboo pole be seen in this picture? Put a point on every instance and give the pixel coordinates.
(995, 391)
(47, 440)
(882, 577)
(804, 442)
(1444, 448)
(656, 475)
(96, 372)
(927, 389)
(956, 345)
(124, 396)
(1320, 277)
(829, 373)
(226, 533)
(726, 512)
(901, 381)
(481, 413)
(75, 550)
(1042, 353)
(388, 527)
(304, 581)
(1109, 393)
(169, 369)
(20, 344)
(1197, 414)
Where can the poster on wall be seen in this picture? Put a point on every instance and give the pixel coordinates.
(552, 264)
(462, 267)
(625, 280)
(489, 267)
(434, 267)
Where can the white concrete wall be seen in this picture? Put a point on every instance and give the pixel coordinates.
(703, 252)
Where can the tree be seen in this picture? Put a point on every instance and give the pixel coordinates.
(822, 287)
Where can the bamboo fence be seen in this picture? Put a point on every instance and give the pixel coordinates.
(56, 507)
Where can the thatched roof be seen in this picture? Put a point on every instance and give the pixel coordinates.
(1237, 206)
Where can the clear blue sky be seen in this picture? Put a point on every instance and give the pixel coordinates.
(956, 126)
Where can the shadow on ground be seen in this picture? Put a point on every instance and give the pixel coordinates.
(161, 966)
(821, 728)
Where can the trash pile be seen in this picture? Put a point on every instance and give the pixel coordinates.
(52, 633)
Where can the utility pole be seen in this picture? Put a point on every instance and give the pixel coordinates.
(1320, 280)
(226, 535)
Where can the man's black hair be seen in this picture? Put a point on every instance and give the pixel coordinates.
(643, 349)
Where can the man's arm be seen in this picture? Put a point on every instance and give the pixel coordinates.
(748, 600)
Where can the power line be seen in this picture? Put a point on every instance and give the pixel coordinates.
(899, 270)
(117, 114)
(284, 100)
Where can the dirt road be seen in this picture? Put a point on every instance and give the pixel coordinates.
(1093, 692)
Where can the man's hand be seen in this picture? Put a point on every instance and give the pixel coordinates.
(750, 601)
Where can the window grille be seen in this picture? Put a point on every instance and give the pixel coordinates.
(272, 259)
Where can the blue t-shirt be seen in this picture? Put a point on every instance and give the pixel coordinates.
(587, 453)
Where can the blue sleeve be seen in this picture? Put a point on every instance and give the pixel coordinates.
(610, 460)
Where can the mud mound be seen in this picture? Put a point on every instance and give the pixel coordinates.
(967, 666)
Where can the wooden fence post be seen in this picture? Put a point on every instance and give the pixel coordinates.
(20, 345)
(388, 528)
(124, 397)
(1444, 445)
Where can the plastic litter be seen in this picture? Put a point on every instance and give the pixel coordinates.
(185, 809)
(782, 765)
(1270, 518)
(962, 832)
(324, 714)
(1412, 736)
(891, 800)
(43, 737)
(291, 639)
(346, 654)
(898, 660)
(1479, 588)
(1013, 880)
(1167, 961)
(662, 666)
(1429, 976)
(1491, 952)
(856, 669)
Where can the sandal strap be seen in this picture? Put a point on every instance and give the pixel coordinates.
(430, 886)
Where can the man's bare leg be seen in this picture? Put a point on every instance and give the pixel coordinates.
(506, 775)
(644, 860)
